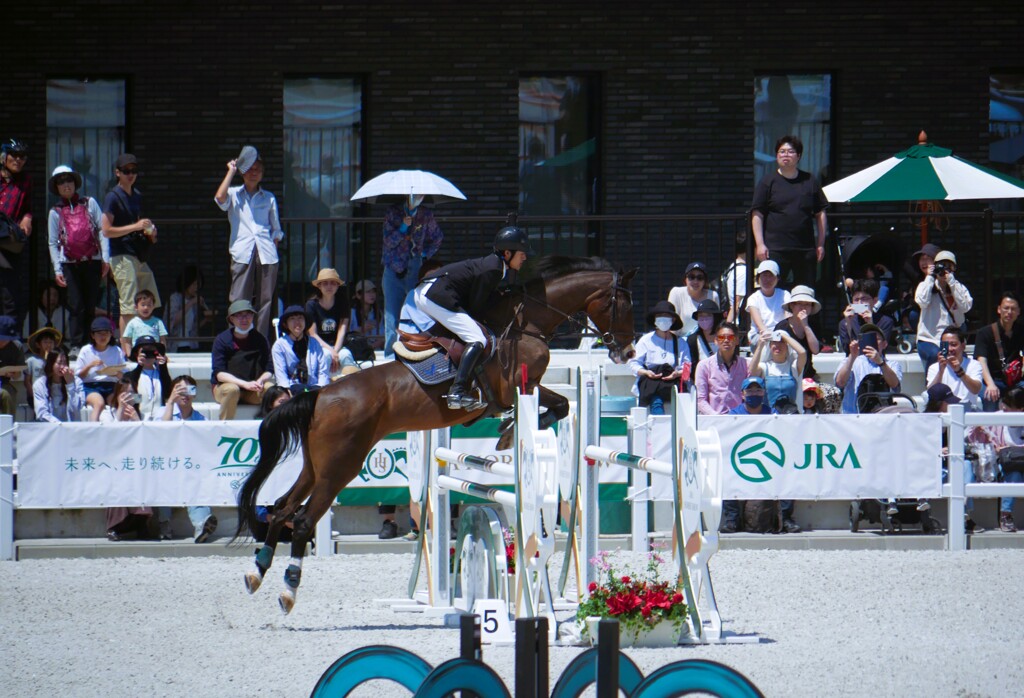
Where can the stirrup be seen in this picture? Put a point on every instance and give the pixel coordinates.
(465, 401)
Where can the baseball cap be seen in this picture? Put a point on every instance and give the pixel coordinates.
(125, 159)
(753, 380)
(945, 256)
(699, 266)
(767, 265)
(940, 392)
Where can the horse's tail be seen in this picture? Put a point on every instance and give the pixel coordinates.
(281, 432)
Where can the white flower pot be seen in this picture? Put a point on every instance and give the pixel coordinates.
(664, 634)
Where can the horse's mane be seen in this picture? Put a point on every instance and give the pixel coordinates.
(555, 266)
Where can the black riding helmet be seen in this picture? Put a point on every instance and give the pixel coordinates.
(13, 146)
(512, 237)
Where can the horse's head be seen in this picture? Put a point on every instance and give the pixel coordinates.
(612, 314)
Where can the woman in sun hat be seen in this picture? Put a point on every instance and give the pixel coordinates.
(40, 344)
(702, 341)
(328, 317)
(662, 362)
(800, 306)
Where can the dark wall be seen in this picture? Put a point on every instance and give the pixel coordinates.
(441, 91)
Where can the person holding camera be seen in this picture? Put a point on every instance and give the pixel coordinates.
(943, 301)
(861, 311)
(781, 363)
(662, 362)
(150, 378)
(867, 356)
(955, 369)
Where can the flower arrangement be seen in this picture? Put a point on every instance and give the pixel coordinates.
(508, 536)
(638, 601)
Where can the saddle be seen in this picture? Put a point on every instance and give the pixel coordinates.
(422, 345)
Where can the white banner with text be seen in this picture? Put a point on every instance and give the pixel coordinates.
(829, 456)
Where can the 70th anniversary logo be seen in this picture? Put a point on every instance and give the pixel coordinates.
(756, 456)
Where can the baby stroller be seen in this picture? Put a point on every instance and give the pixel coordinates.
(873, 396)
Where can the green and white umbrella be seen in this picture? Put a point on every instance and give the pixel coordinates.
(924, 172)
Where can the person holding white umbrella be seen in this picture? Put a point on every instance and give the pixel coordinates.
(410, 235)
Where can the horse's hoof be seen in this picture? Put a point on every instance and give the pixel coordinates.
(252, 582)
(287, 601)
(505, 442)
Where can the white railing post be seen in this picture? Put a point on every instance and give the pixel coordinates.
(6, 487)
(639, 490)
(590, 435)
(957, 539)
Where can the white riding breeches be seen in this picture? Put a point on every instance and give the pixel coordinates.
(460, 323)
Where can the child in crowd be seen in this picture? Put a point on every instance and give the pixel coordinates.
(328, 316)
(57, 396)
(812, 397)
(299, 361)
(766, 305)
(40, 344)
(367, 316)
(144, 323)
(99, 365)
(188, 310)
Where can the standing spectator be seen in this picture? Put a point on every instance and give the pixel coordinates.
(998, 345)
(955, 369)
(179, 400)
(410, 235)
(801, 306)
(686, 298)
(99, 365)
(916, 269)
(860, 311)
(131, 237)
(944, 301)
(719, 378)
(79, 253)
(188, 310)
(788, 217)
(242, 368)
(49, 311)
(12, 364)
(56, 395)
(662, 361)
(15, 224)
(328, 316)
(40, 344)
(702, 341)
(255, 234)
(767, 304)
(864, 361)
(781, 362)
(734, 281)
(299, 361)
(367, 316)
(144, 324)
(150, 377)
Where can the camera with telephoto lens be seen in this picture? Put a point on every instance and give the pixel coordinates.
(942, 268)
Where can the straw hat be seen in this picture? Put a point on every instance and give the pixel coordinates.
(327, 274)
(33, 339)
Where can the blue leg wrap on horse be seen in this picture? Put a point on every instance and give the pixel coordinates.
(292, 575)
(264, 558)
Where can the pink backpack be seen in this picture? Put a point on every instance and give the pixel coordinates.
(78, 236)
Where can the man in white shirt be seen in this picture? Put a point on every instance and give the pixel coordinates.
(954, 368)
(255, 234)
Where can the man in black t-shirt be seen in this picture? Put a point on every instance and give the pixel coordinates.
(986, 349)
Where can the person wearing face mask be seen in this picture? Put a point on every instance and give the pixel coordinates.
(662, 363)
(242, 365)
(686, 298)
(410, 235)
(702, 341)
(753, 397)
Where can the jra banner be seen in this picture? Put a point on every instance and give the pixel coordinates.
(829, 456)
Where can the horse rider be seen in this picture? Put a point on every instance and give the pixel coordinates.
(457, 292)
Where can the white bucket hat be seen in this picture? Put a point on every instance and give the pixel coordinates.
(802, 294)
(63, 170)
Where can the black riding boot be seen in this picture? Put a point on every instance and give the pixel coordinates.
(457, 397)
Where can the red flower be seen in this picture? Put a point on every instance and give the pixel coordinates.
(622, 603)
(626, 580)
(646, 611)
(592, 588)
(677, 598)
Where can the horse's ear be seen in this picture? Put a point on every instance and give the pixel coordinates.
(628, 276)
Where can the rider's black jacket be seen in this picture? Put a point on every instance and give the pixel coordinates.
(466, 286)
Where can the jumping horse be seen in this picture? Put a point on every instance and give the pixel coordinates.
(338, 425)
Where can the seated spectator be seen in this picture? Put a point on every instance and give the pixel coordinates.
(955, 369)
(121, 520)
(1011, 401)
(686, 298)
(367, 315)
(938, 399)
(57, 397)
(49, 310)
(802, 304)
(702, 340)
(179, 409)
(328, 322)
(150, 377)
(99, 365)
(944, 301)
(996, 346)
(188, 311)
(719, 378)
(144, 324)
(662, 360)
(766, 305)
(867, 357)
(753, 393)
(242, 368)
(12, 364)
(79, 254)
(273, 396)
(299, 361)
(40, 344)
(781, 362)
(861, 311)
(812, 397)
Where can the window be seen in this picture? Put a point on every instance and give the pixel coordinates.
(1006, 123)
(85, 128)
(558, 154)
(799, 105)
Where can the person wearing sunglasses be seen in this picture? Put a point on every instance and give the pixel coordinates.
(686, 298)
(131, 237)
(719, 378)
(15, 224)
